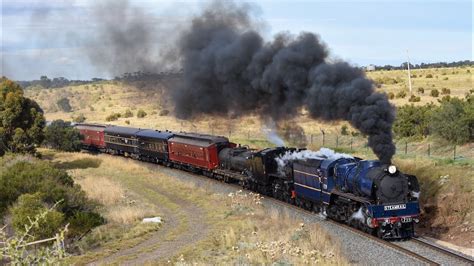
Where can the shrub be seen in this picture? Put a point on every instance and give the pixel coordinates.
(26, 208)
(434, 93)
(414, 98)
(54, 185)
(141, 113)
(412, 120)
(401, 94)
(344, 130)
(16, 251)
(112, 117)
(454, 120)
(446, 78)
(127, 122)
(62, 136)
(128, 113)
(91, 108)
(164, 112)
(64, 105)
(81, 222)
(421, 90)
(445, 91)
(79, 119)
(468, 71)
(429, 76)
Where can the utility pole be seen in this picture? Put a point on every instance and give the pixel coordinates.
(409, 75)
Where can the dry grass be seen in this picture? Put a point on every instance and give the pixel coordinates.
(242, 230)
(252, 234)
(446, 199)
(126, 214)
(102, 189)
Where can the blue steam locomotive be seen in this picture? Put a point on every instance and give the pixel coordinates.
(365, 194)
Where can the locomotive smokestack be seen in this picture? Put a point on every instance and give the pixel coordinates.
(228, 68)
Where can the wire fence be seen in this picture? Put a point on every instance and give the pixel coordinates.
(255, 137)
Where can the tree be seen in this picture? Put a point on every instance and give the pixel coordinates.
(45, 82)
(21, 120)
(62, 136)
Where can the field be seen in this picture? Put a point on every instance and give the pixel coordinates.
(445, 171)
(200, 226)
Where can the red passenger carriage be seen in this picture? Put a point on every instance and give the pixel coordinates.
(197, 151)
(93, 136)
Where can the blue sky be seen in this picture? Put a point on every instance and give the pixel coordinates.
(361, 32)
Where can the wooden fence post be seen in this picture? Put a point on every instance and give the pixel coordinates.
(429, 149)
(351, 143)
(454, 155)
(406, 147)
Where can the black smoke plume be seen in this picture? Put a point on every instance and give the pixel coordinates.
(230, 69)
(127, 38)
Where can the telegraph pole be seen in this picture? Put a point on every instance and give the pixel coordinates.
(409, 75)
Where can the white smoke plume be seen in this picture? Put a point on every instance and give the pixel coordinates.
(323, 153)
(272, 135)
(359, 216)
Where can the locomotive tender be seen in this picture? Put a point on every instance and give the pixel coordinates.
(365, 194)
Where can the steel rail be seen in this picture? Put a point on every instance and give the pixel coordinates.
(443, 250)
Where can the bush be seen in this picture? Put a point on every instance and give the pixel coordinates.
(113, 117)
(401, 94)
(445, 91)
(421, 90)
(429, 76)
(454, 120)
(391, 96)
(62, 136)
(164, 112)
(344, 130)
(127, 122)
(64, 105)
(128, 113)
(54, 185)
(141, 113)
(79, 119)
(446, 78)
(412, 121)
(81, 222)
(26, 208)
(414, 98)
(91, 108)
(434, 93)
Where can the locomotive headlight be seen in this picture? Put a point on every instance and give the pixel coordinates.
(392, 169)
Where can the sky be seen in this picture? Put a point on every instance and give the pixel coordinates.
(45, 37)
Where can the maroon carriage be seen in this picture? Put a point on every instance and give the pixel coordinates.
(197, 151)
(93, 136)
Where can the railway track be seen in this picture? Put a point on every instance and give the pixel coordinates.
(437, 256)
(460, 257)
(448, 257)
(365, 235)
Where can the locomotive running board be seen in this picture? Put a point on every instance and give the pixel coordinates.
(349, 196)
